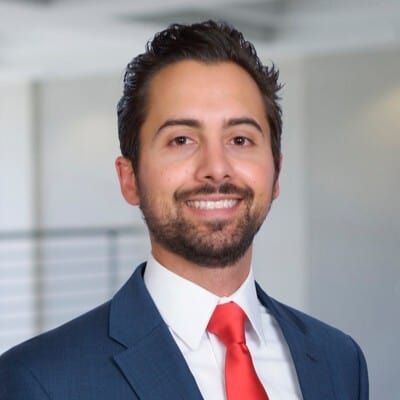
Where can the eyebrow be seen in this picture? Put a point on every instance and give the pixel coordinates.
(193, 123)
(244, 121)
(189, 122)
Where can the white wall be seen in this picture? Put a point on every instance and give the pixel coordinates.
(280, 259)
(16, 157)
(80, 189)
(353, 104)
(80, 144)
(16, 211)
(330, 245)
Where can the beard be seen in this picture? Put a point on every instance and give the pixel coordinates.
(217, 243)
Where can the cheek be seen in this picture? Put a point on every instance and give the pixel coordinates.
(163, 182)
(258, 175)
(174, 176)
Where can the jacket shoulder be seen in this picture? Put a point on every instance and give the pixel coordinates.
(320, 331)
(307, 324)
(74, 334)
(53, 363)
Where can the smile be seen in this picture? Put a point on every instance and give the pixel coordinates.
(212, 205)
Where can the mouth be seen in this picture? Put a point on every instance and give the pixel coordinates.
(212, 204)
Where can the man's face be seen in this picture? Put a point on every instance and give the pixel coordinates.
(205, 180)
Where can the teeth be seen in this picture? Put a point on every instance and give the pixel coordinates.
(211, 205)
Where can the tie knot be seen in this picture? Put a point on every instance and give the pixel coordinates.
(227, 323)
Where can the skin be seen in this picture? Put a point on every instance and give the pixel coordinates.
(206, 125)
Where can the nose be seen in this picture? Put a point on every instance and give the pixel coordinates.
(214, 164)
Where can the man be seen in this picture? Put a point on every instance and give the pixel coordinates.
(200, 128)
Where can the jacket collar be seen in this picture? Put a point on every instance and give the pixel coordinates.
(308, 356)
(151, 362)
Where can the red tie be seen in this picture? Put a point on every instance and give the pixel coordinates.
(241, 380)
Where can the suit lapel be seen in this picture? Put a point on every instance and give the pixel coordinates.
(311, 366)
(152, 363)
(309, 359)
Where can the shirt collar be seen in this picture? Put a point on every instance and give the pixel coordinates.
(180, 301)
(246, 298)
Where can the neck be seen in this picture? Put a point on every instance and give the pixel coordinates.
(222, 281)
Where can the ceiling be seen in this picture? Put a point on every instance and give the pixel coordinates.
(62, 37)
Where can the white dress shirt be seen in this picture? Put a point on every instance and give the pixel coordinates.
(186, 309)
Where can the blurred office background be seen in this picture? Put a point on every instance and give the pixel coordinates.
(331, 245)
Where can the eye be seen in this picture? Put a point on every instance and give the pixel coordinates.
(241, 141)
(180, 141)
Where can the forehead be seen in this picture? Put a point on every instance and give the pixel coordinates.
(191, 84)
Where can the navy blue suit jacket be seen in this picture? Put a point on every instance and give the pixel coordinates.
(124, 350)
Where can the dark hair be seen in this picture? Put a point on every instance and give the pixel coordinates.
(208, 42)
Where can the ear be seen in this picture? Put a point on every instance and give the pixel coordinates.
(127, 180)
(276, 189)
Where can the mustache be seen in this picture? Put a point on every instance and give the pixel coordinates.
(225, 188)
